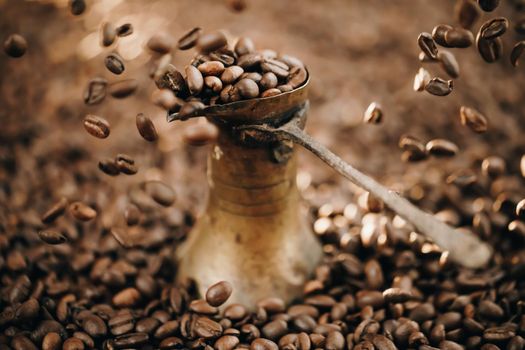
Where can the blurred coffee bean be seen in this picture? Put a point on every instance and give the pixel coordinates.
(449, 63)
(52, 237)
(494, 28)
(439, 87)
(132, 214)
(247, 88)
(94, 326)
(211, 41)
(467, 13)
(280, 69)
(213, 83)
(82, 211)
(421, 79)
(97, 126)
(189, 39)
(493, 166)
(271, 92)
(190, 109)
(124, 30)
(476, 121)
(108, 167)
(441, 148)
(15, 45)
(231, 74)
(488, 5)
(438, 34)
(459, 38)
(263, 344)
(77, 7)
(126, 298)
(200, 134)
(146, 128)
(21, 342)
(160, 192)
(373, 114)
(123, 88)
(161, 43)
(126, 164)
(249, 60)
(52, 341)
(95, 91)
(211, 68)
(236, 5)
(56, 210)
(109, 33)
(114, 63)
(244, 46)
(517, 53)
(427, 45)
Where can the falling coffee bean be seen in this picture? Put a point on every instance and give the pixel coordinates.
(373, 114)
(15, 45)
(55, 211)
(97, 126)
(124, 30)
(82, 211)
(459, 38)
(95, 91)
(494, 28)
(421, 79)
(476, 121)
(108, 167)
(188, 40)
(493, 166)
(126, 164)
(449, 63)
(488, 5)
(211, 42)
(161, 43)
(109, 34)
(441, 148)
(517, 53)
(236, 5)
(467, 13)
(52, 237)
(438, 34)
(160, 192)
(489, 49)
(439, 87)
(77, 7)
(427, 45)
(114, 63)
(132, 215)
(146, 128)
(217, 294)
(123, 88)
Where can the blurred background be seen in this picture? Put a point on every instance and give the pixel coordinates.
(357, 52)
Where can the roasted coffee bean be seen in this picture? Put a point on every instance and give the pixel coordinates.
(114, 63)
(207, 328)
(498, 333)
(494, 28)
(268, 81)
(489, 49)
(94, 326)
(247, 88)
(146, 128)
(52, 341)
(77, 7)
(165, 99)
(491, 310)
(244, 46)
(56, 210)
(109, 33)
(441, 148)
(335, 341)
(194, 79)
(126, 298)
(189, 39)
(82, 211)
(274, 330)
(280, 69)
(467, 13)
(161, 43)
(211, 68)
(382, 343)
(226, 342)
(231, 74)
(263, 344)
(124, 30)
(121, 323)
(459, 37)
(449, 63)
(226, 57)
(45, 327)
(214, 83)
(421, 79)
(52, 237)
(218, 293)
(201, 306)
(97, 126)
(109, 167)
(427, 45)
(189, 109)
(123, 88)
(493, 166)
(130, 340)
(160, 192)
(27, 311)
(517, 53)
(249, 60)
(95, 91)
(167, 329)
(211, 41)
(450, 345)
(520, 209)
(397, 295)
(172, 343)
(374, 278)
(439, 87)
(15, 45)
(476, 121)
(170, 78)
(126, 164)
(235, 311)
(256, 77)
(488, 5)
(21, 342)
(373, 114)
(271, 92)
(438, 34)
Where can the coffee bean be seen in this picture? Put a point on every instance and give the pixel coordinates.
(249, 60)
(450, 345)
(476, 121)
(334, 341)
(489, 49)
(160, 192)
(207, 328)
(189, 39)
(491, 310)
(467, 13)
(441, 148)
(94, 326)
(225, 56)
(97, 126)
(383, 343)
(77, 7)
(373, 273)
(211, 68)
(498, 333)
(494, 28)
(493, 166)
(427, 45)
(194, 79)
(397, 295)
(126, 164)
(47, 326)
(439, 87)
(280, 69)
(226, 342)
(438, 34)
(52, 341)
(263, 344)
(52, 237)
(231, 74)
(297, 77)
(130, 340)
(73, 344)
(421, 79)
(488, 5)
(520, 209)
(201, 306)
(274, 329)
(169, 77)
(56, 210)
(123, 88)
(95, 91)
(271, 92)
(109, 33)
(191, 108)
(171, 343)
(211, 42)
(214, 83)
(449, 63)
(373, 114)
(256, 77)
(121, 323)
(247, 88)
(21, 342)
(82, 212)
(268, 81)
(27, 311)
(235, 311)
(114, 63)
(161, 43)
(109, 167)
(459, 38)
(124, 30)
(146, 128)
(244, 46)
(126, 298)
(15, 45)
(517, 53)
(169, 328)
